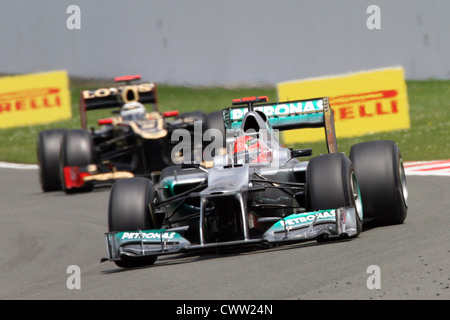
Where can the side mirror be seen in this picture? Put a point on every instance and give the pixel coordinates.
(301, 153)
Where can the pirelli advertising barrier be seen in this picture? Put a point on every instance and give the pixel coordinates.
(363, 103)
(34, 99)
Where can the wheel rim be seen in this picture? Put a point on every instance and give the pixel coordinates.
(357, 197)
(403, 187)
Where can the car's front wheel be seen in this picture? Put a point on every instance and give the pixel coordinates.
(331, 183)
(130, 209)
(77, 150)
(48, 150)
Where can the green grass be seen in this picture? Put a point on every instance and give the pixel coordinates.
(427, 139)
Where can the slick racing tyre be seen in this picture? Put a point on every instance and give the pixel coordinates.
(77, 150)
(192, 116)
(331, 183)
(191, 148)
(215, 139)
(382, 180)
(48, 150)
(130, 209)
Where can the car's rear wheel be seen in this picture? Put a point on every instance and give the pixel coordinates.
(382, 180)
(48, 150)
(331, 183)
(216, 138)
(77, 150)
(130, 209)
(192, 116)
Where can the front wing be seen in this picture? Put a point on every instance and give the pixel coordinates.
(334, 223)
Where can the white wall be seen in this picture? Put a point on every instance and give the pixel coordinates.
(224, 42)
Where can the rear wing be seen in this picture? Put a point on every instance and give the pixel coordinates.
(115, 97)
(288, 115)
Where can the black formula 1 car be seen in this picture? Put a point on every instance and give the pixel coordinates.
(133, 142)
(258, 193)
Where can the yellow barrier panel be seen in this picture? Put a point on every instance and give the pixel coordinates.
(363, 102)
(34, 98)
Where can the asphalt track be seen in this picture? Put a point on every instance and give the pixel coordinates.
(41, 235)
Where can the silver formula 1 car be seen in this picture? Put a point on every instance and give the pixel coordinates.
(258, 192)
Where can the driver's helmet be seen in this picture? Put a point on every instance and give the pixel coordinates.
(249, 149)
(133, 111)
